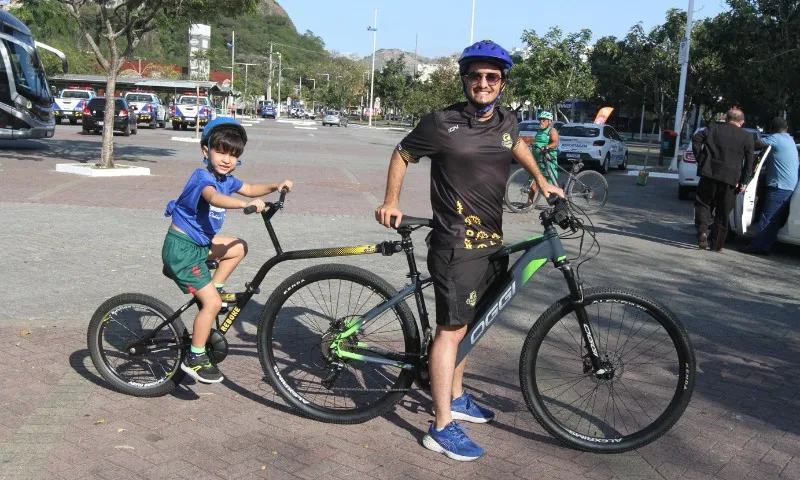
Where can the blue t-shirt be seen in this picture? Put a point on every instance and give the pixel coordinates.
(193, 214)
(782, 164)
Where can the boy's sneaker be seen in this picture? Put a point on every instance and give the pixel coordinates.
(201, 369)
(453, 442)
(464, 408)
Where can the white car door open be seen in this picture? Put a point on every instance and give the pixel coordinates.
(746, 201)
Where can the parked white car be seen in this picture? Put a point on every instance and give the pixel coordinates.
(744, 221)
(594, 144)
(687, 166)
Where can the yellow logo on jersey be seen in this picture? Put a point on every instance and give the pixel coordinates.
(473, 299)
(507, 141)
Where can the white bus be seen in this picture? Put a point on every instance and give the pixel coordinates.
(26, 104)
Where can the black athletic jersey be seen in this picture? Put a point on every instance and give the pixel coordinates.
(470, 161)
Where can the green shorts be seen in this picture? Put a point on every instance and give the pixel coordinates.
(185, 261)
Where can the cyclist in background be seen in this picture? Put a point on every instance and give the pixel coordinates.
(547, 141)
(470, 145)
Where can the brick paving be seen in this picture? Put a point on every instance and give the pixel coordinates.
(97, 237)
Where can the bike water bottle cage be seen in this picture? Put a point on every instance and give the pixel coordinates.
(484, 51)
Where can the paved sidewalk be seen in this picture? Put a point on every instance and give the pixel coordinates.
(72, 242)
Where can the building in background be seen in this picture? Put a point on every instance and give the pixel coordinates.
(199, 40)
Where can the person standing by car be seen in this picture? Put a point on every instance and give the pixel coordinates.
(719, 150)
(471, 146)
(781, 175)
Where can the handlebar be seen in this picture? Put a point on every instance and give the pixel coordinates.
(277, 205)
(560, 214)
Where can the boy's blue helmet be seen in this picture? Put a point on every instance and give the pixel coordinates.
(221, 122)
(226, 122)
(485, 51)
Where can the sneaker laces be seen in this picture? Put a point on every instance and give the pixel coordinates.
(457, 432)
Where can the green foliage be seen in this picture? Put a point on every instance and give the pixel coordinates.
(442, 89)
(391, 83)
(554, 68)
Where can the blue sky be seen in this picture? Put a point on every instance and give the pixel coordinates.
(443, 26)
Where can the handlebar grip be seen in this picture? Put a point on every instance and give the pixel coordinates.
(249, 209)
(284, 191)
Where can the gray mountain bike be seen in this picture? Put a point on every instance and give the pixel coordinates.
(604, 370)
(586, 190)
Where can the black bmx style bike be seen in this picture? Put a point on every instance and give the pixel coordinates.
(604, 370)
(585, 190)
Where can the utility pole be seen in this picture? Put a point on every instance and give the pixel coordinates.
(245, 81)
(269, 88)
(683, 58)
(416, 45)
(374, 31)
(472, 28)
(280, 72)
(233, 50)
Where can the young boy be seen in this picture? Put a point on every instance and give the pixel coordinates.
(197, 216)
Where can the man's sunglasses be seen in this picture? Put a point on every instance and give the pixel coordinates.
(491, 78)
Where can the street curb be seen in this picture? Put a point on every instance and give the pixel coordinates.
(89, 170)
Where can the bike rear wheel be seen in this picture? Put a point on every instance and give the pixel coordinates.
(518, 188)
(643, 346)
(587, 192)
(154, 367)
(301, 319)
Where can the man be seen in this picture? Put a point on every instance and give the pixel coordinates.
(781, 175)
(470, 146)
(720, 149)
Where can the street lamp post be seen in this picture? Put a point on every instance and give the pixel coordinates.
(472, 28)
(328, 77)
(684, 60)
(374, 31)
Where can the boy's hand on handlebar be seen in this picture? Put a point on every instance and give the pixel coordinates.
(287, 184)
(384, 214)
(258, 203)
(549, 188)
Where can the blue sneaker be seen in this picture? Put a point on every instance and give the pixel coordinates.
(463, 408)
(453, 442)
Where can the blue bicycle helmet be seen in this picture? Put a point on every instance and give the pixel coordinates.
(221, 122)
(485, 51)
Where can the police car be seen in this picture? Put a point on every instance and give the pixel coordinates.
(70, 103)
(148, 107)
(594, 144)
(191, 109)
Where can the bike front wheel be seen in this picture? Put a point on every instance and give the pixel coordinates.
(518, 192)
(587, 192)
(644, 385)
(147, 369)
(303, 317)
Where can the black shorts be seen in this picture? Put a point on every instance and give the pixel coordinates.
(460, 279)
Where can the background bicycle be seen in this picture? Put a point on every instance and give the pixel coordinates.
(586, 190)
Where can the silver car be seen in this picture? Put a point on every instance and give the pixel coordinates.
(334, 118)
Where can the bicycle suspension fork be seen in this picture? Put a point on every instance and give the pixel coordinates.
(591, 359)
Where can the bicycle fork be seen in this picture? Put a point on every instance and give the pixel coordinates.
(592, 361)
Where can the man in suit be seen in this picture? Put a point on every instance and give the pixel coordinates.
(720, 149)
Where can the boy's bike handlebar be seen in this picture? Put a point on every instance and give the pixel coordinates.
(279, 204)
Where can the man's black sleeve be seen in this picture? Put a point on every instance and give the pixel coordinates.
(423, 141)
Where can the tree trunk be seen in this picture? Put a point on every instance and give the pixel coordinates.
(107, 156)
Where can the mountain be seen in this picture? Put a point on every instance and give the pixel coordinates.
(385, 54)
(273, 8)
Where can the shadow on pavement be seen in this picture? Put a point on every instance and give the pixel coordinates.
(83, 151)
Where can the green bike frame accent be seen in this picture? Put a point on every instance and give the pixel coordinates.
(538, 250)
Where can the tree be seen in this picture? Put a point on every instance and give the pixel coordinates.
(113, 28)
(442, 88)
(553, 69)
(391, 83)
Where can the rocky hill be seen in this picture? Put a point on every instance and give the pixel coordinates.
(273, 8)
(383, 55)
